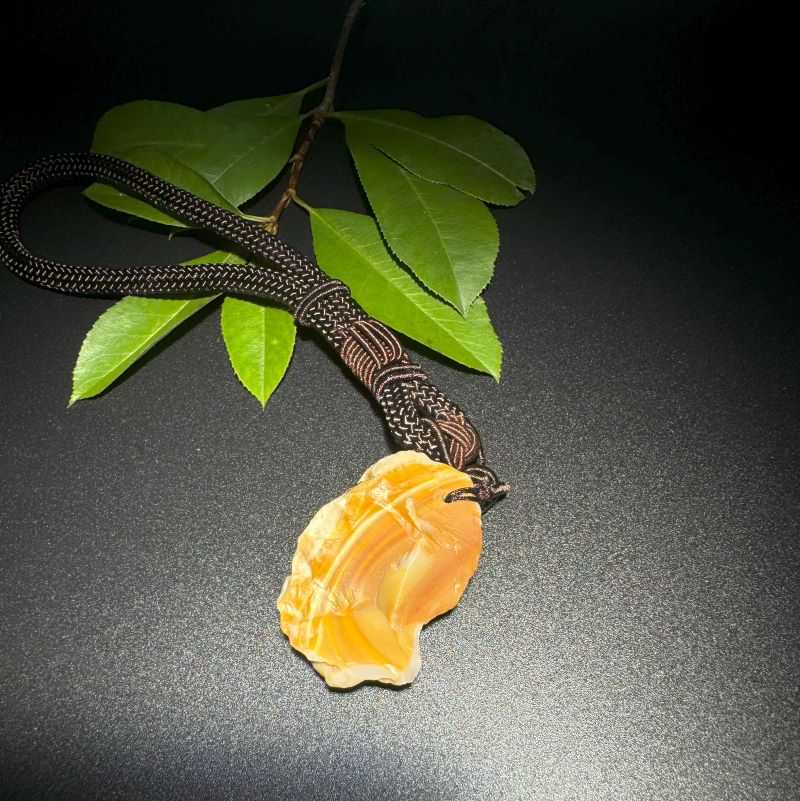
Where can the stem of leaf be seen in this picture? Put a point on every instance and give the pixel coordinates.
(300, 202)
(318, 117)
(316, 85)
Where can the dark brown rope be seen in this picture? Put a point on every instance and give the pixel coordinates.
(418, 415)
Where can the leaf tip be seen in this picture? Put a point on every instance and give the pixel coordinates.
(497, 372)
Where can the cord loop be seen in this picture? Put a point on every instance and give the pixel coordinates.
(417, 414)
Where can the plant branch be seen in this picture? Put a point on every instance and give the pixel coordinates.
(318, 117)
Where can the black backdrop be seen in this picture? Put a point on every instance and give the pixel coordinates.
(632, 632)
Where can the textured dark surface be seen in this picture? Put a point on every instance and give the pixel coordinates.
(632, 631)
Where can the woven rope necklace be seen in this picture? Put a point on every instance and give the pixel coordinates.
(418, 415)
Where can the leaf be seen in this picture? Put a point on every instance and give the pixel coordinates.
(226, 155)
(169, 127)
(279, 105)
(260, 340)
(447, 238)
(464, 152)
(165, 131)
(111, 197)
(247, 157)
(126, 331)
(166, 167)
(348, 246)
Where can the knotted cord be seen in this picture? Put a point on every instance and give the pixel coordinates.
(417, 414)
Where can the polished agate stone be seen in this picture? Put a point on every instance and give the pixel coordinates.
(376, 564)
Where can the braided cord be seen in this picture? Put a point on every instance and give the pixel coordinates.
(417, 414)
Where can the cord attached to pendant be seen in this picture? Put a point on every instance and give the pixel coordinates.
(417, 414)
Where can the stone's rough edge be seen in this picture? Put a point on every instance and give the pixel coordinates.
(346, 677)
(355, 674)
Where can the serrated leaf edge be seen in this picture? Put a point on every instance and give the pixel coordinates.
(463, 310)
(262, 401)
(74, 398)
(485, 369)
(515, 186)
(163, 331)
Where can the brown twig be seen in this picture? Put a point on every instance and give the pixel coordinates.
(318, 117)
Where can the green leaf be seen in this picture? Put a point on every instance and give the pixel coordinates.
(126, 331)
(349, 247)
(247, 157)
(281, 105)
(464, 152)
(152, 124)
(166, 167)
(156, 136)
(260, 340)
(226, 155)
(111, 197)
(447, 238)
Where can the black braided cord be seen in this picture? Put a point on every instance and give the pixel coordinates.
(417, 414)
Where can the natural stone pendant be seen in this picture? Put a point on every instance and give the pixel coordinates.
(375, 565)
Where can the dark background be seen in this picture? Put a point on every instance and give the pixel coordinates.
(632, 632)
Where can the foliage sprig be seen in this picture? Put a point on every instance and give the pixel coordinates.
(419, 265)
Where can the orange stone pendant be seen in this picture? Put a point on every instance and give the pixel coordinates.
(375, 565)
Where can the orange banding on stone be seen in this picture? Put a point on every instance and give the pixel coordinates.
(375, 565)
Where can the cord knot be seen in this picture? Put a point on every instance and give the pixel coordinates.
(457, 440)
(311, 305)
(383, 379)
(369, 346)
(486, 489)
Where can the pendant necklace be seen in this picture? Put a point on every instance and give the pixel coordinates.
(394, 551)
